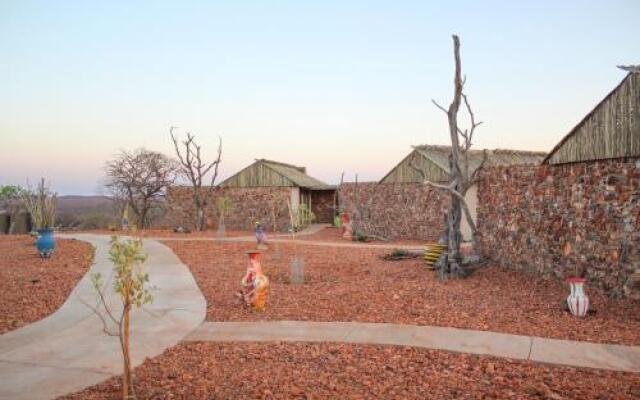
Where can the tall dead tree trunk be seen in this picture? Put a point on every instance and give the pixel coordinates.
(455, 174)
(460, 176)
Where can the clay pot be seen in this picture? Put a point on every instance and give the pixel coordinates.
(577, 301)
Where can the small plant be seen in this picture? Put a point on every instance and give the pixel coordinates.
(130, 284)
(303, 216)
(41, 204)
(297, 271)
(399, 254)
(297, 263)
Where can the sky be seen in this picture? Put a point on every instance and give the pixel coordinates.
(334, 85)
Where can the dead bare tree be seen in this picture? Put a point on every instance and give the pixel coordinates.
(460, 177)
(141, 176)
(195, 170)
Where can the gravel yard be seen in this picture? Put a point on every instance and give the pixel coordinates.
(340, 371)
(335, 235)
(33, 288)
(349, 284)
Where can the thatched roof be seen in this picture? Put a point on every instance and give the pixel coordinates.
(610, 130)
(439, 156)
(288, 175)
(298, 175)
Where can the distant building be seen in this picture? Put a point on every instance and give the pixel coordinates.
(315, 194)
(610, 131)
(261, 192)
(433, 161)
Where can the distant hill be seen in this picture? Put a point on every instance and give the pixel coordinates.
(84, 203)
(86, 212)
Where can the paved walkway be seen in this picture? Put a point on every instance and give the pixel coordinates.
(551, 351)
(68, 351)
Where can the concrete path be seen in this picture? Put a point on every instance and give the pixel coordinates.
(552, 351)
(68, 350)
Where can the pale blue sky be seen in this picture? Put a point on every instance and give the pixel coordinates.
(332, 85)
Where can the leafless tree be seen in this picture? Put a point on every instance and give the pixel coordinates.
(460, 178)
(142, 177)
(195, 170)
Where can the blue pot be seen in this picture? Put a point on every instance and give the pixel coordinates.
(45, 242)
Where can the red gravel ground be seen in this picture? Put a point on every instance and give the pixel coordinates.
(349, 284)
(33, 288)
(339, 371)
(335, 235)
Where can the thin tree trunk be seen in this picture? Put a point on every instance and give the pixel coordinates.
(455, 174)
(127, 383)
(454, 219)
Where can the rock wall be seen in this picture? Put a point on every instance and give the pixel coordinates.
(249, 205)
(566, 219)
(397, 211)
(322, 205)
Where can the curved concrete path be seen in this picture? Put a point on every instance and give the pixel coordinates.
(551, 351)
(68, 350)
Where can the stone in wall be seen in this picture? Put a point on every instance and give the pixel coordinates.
(397, 211)
(322, 205)
(265, 204)
(563, 220)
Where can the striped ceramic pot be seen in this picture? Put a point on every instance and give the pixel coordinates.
(578, 302)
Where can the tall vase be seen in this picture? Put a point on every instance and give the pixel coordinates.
(255, 285)
(578, 302)
(45, 242)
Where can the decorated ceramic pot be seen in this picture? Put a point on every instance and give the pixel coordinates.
(45, 242)
(255, 285)
(578, 302)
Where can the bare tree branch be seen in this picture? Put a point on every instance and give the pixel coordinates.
(141, 176)
(444, 110)
(195, 170)
(462, 200)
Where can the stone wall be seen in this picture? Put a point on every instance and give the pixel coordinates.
(556, 220)
(249, 205)
(322, 205)
(397, 211)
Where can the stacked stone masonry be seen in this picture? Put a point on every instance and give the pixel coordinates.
(265, 204)
(397, 210)
(564, 220)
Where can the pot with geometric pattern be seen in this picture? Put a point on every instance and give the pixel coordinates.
(577, 301)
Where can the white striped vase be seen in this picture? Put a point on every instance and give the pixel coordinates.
(578, 302)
